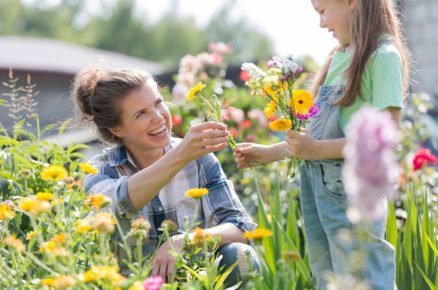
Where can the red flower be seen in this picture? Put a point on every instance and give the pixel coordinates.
(423, 157)
(244, 76)
(176, 120)
(246, 124)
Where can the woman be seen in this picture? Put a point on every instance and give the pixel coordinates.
(147, 172)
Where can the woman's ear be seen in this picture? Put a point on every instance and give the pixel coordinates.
(116, 132)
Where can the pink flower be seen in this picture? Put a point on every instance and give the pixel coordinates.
(258, 115)
(423, 157)
(370, 165)
(234, 114)
(153, 283)
(220, 48)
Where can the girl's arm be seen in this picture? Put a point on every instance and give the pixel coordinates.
(304, 146)
(249, 154)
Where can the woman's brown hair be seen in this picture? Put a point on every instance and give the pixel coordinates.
(98, 93)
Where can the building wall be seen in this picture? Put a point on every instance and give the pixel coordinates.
(421, 18)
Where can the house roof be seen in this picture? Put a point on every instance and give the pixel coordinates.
(50, 55)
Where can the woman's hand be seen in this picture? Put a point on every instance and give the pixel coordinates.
(302, 145)
(252, 154)
(164, 264)
(203, 138)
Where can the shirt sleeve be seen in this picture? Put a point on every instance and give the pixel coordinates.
(221, 204)
(387, 80)
(108, 183)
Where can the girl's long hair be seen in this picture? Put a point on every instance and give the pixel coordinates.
(369, 20)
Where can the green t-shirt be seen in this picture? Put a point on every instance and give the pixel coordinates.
(382, 81)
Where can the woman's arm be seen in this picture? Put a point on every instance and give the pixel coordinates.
(200, 140)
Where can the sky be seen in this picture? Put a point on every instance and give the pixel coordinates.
(292, 25)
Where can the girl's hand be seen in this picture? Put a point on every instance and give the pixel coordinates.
(251, 154)
(302, 145)
(203, 138)
(164, 264)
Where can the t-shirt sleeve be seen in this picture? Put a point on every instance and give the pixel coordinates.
(387, 80)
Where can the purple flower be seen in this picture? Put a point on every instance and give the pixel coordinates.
(370, 164)
(312, 112)
(275, 61)
(153, 283)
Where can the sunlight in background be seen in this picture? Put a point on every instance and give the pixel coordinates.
(292, 25)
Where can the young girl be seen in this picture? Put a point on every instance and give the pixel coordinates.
(370, 66)
(147, 172)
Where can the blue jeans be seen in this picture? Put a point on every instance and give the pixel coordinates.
(330, 235)
(229, 254)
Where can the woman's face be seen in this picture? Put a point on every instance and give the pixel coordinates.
(146, 122)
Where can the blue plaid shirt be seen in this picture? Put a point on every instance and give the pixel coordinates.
(221, 205)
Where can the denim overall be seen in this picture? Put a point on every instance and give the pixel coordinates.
(324, 205)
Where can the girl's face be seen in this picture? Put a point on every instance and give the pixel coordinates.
(146, 122)
(335, 16)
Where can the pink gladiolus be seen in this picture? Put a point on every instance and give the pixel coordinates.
(370, 165)
(153, 283)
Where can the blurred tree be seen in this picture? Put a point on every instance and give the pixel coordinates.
(248, 43)
(119, 28)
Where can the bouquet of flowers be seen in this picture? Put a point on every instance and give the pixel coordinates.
(289, 108)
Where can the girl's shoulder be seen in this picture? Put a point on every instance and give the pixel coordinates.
(386, 48)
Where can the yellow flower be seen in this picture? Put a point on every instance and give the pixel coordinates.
(196, 192)
(63, 282)
(257, 234)
(44, 196)
(104, 223)
(54, 172)
(200, 236)
(137, 286)
(97, 273)
(34, 206)
(270, 109)
(47, 282)
(83, 226)
(140, 224)
(48, 247)
(97, 201)
(59, 238)
(87, 168)
(6, 211)
(269, 91)
(196, 89)
(14, 243)
(30, 235)
(301, 102)
(280, 125)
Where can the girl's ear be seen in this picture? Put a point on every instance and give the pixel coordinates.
(116, 132)
(351, 4)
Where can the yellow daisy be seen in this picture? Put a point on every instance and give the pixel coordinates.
(270, 109)
(30, 235)
(6, 211)
(97, 201)
(196, 89)
(87, 168)
(257, 234)
(196, 192)
(200, 236)
(54, 172)
(46, 196)
(301, 102)
(34, 206)
(280, 125)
